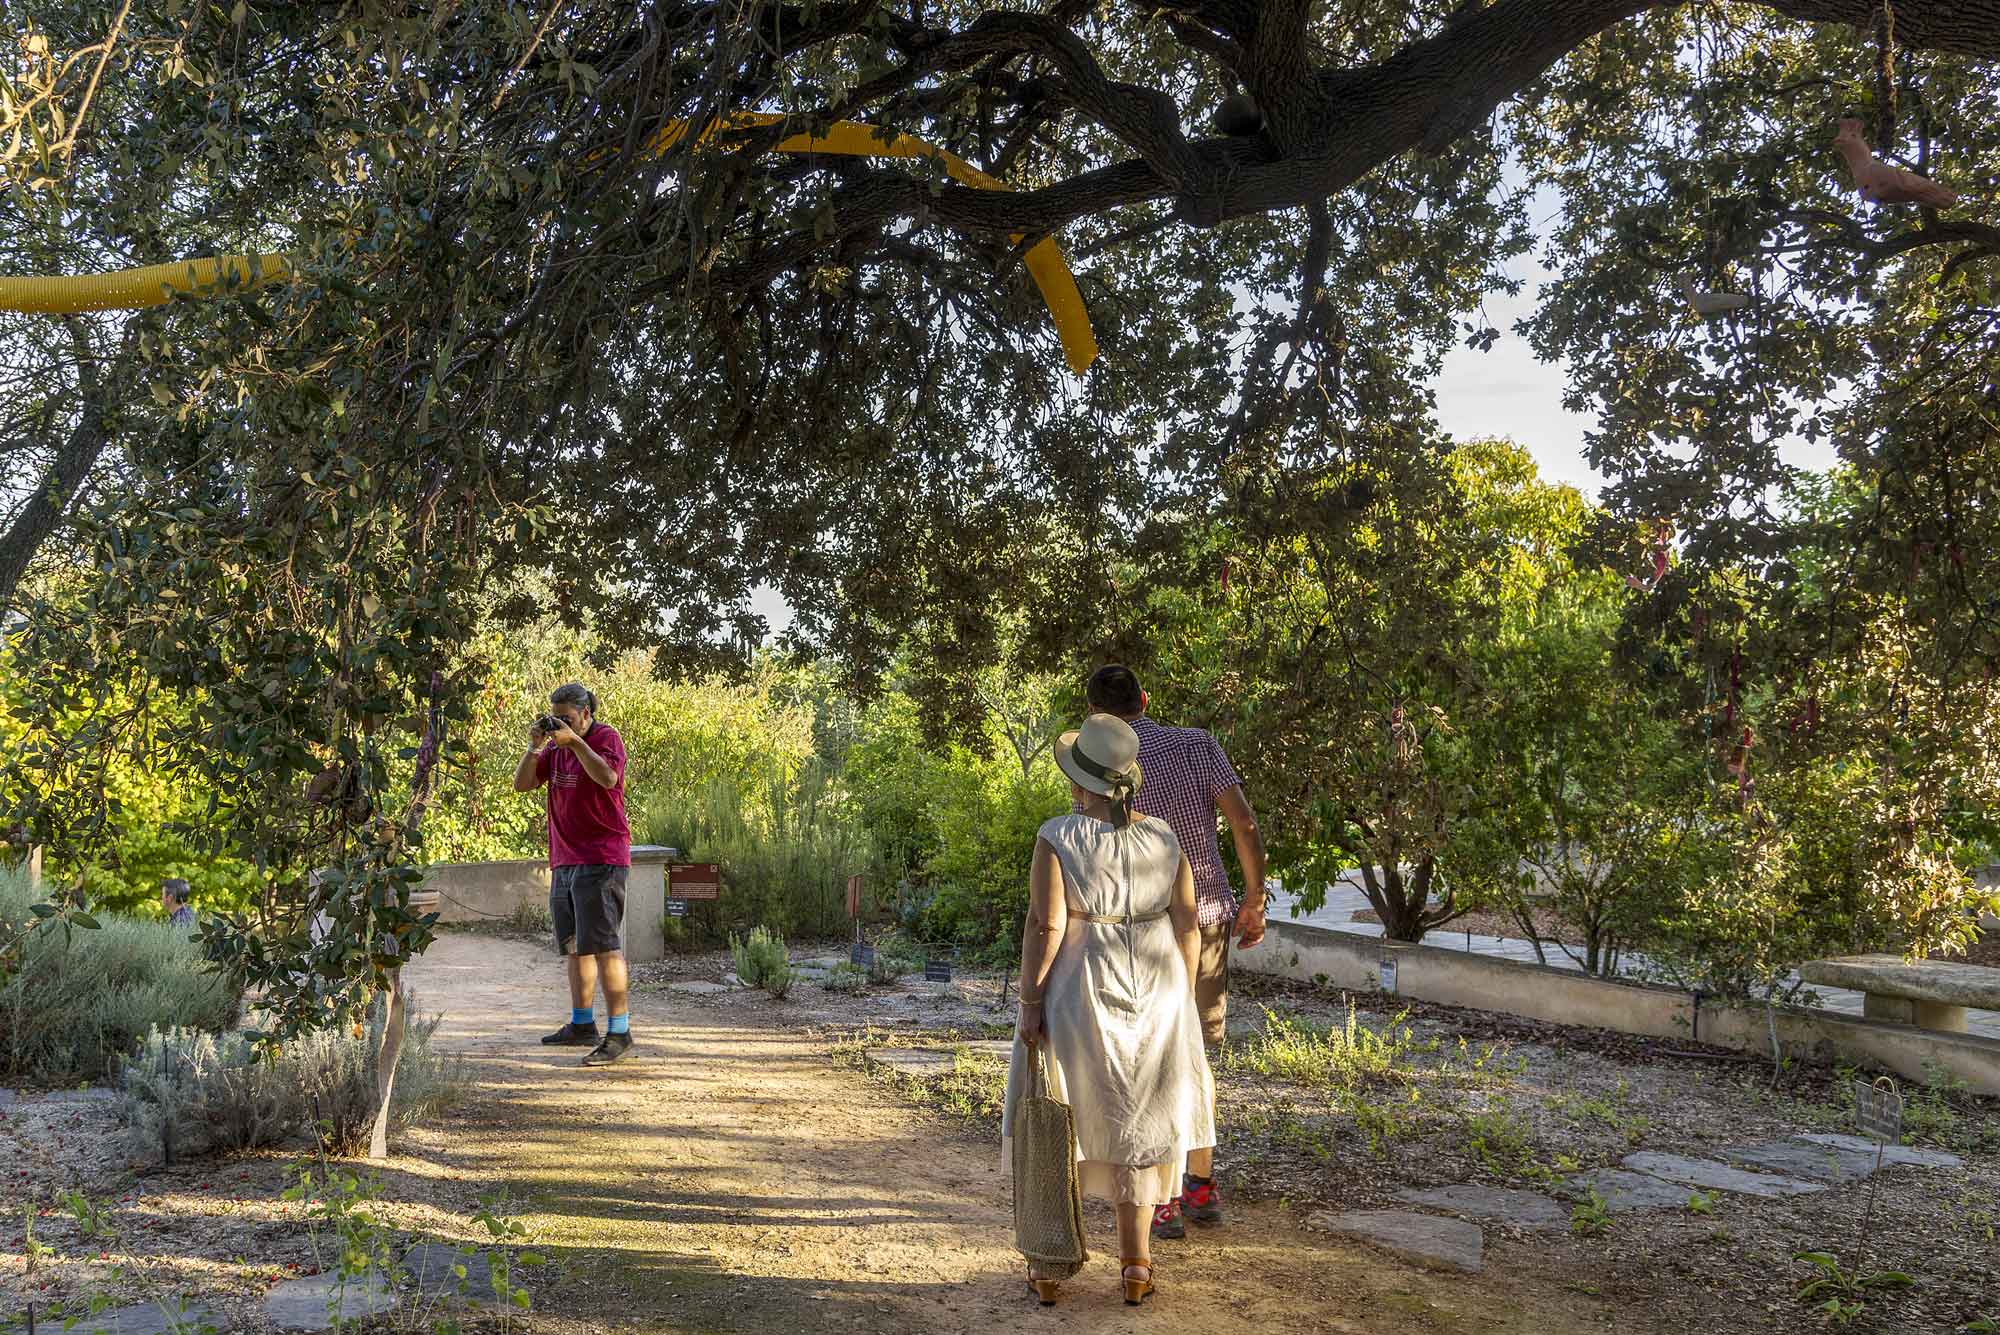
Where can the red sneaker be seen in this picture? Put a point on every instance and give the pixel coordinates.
(1200, 1201)
(1167, 1220)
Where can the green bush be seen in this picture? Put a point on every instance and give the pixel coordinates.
(979, 872)
(785, 853)
(81, 1001)
(954, 827)
(758, 957)
(844, 978)
(192, 1093)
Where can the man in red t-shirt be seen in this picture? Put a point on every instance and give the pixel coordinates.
(590, 854)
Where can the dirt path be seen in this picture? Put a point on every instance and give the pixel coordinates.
(728, 1176)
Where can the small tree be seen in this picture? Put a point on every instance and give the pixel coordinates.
(1597, 790)
(1350, 665)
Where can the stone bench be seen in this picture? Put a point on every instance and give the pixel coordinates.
(1930, 993)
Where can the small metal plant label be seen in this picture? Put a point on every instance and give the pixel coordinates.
(1388, 975)
(1878, 1110)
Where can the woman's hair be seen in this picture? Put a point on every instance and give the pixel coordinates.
(576, 693)
(1114, 688)
(176, 889)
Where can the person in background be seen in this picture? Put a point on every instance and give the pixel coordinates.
(1188, 781)
(590, 856)
(174, 899)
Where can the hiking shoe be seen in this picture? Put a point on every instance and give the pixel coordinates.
(1201, 1203)
(573, 1035)
(610, 1050)
(1167, 1222)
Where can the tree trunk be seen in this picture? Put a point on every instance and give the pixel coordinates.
(1398, 902)
(42, 514)
(394, 1022)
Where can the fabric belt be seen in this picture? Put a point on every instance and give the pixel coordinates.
(1117, 919)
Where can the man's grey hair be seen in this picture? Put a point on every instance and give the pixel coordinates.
(176, 889)
(576, 693)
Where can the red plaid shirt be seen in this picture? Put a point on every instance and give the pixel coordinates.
(1183, 773)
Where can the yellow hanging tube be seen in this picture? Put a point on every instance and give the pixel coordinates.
(131, 289)
(156, 284)
(1044, 260)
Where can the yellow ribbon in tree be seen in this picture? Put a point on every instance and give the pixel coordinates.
(156, 284)
(130, 289)
(1044, 259)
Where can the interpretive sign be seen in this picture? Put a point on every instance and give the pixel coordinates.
(1388, 968)
(693, 880)
(863, 955)
(937, 968)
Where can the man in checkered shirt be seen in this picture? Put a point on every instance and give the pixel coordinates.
(1186, 781)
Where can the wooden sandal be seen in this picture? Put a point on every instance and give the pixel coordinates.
(1136, 1290)
(1044, 1289)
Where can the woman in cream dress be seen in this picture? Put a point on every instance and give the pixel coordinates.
(1107, 969)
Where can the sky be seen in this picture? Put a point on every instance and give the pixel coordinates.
(1507, 392)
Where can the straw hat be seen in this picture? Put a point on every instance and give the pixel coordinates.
(1101, 757)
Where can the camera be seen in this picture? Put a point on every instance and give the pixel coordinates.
(548, 723)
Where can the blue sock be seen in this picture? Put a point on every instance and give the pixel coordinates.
(619, 1024)
(581, 1015)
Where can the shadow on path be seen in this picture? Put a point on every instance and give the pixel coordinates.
(728, 1177)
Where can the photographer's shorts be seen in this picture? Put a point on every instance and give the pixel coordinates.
(588, 905)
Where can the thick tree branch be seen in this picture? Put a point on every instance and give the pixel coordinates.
(43, 512)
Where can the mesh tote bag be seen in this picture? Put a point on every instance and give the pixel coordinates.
(1048, 1200)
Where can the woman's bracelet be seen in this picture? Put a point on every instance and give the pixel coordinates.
(1031, 1001)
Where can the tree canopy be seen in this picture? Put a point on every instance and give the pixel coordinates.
(530, 349)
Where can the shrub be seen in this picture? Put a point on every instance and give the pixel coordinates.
(844, 978)
(785, 852)
(885, 968)
(759, 957)
(194, 1093)
(532, 918)
(82, 1000)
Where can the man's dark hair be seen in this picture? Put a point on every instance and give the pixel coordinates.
(576, 693)
(1114, 688)
(176, 888)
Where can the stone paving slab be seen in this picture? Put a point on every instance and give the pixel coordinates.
(1625, 1191)
(310, 1303)
(936, 1061)
(161, 1318)
(1427, 1239)
(1496, 1205)
(1712, 1176)
(1797, 1158)
(429, 1268)
(1891, 1154)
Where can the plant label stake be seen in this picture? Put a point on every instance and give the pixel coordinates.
(1878, 1115)
(1388, 972)
(937, 968)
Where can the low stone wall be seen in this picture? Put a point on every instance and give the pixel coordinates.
(481, 891)
(1563, 996)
